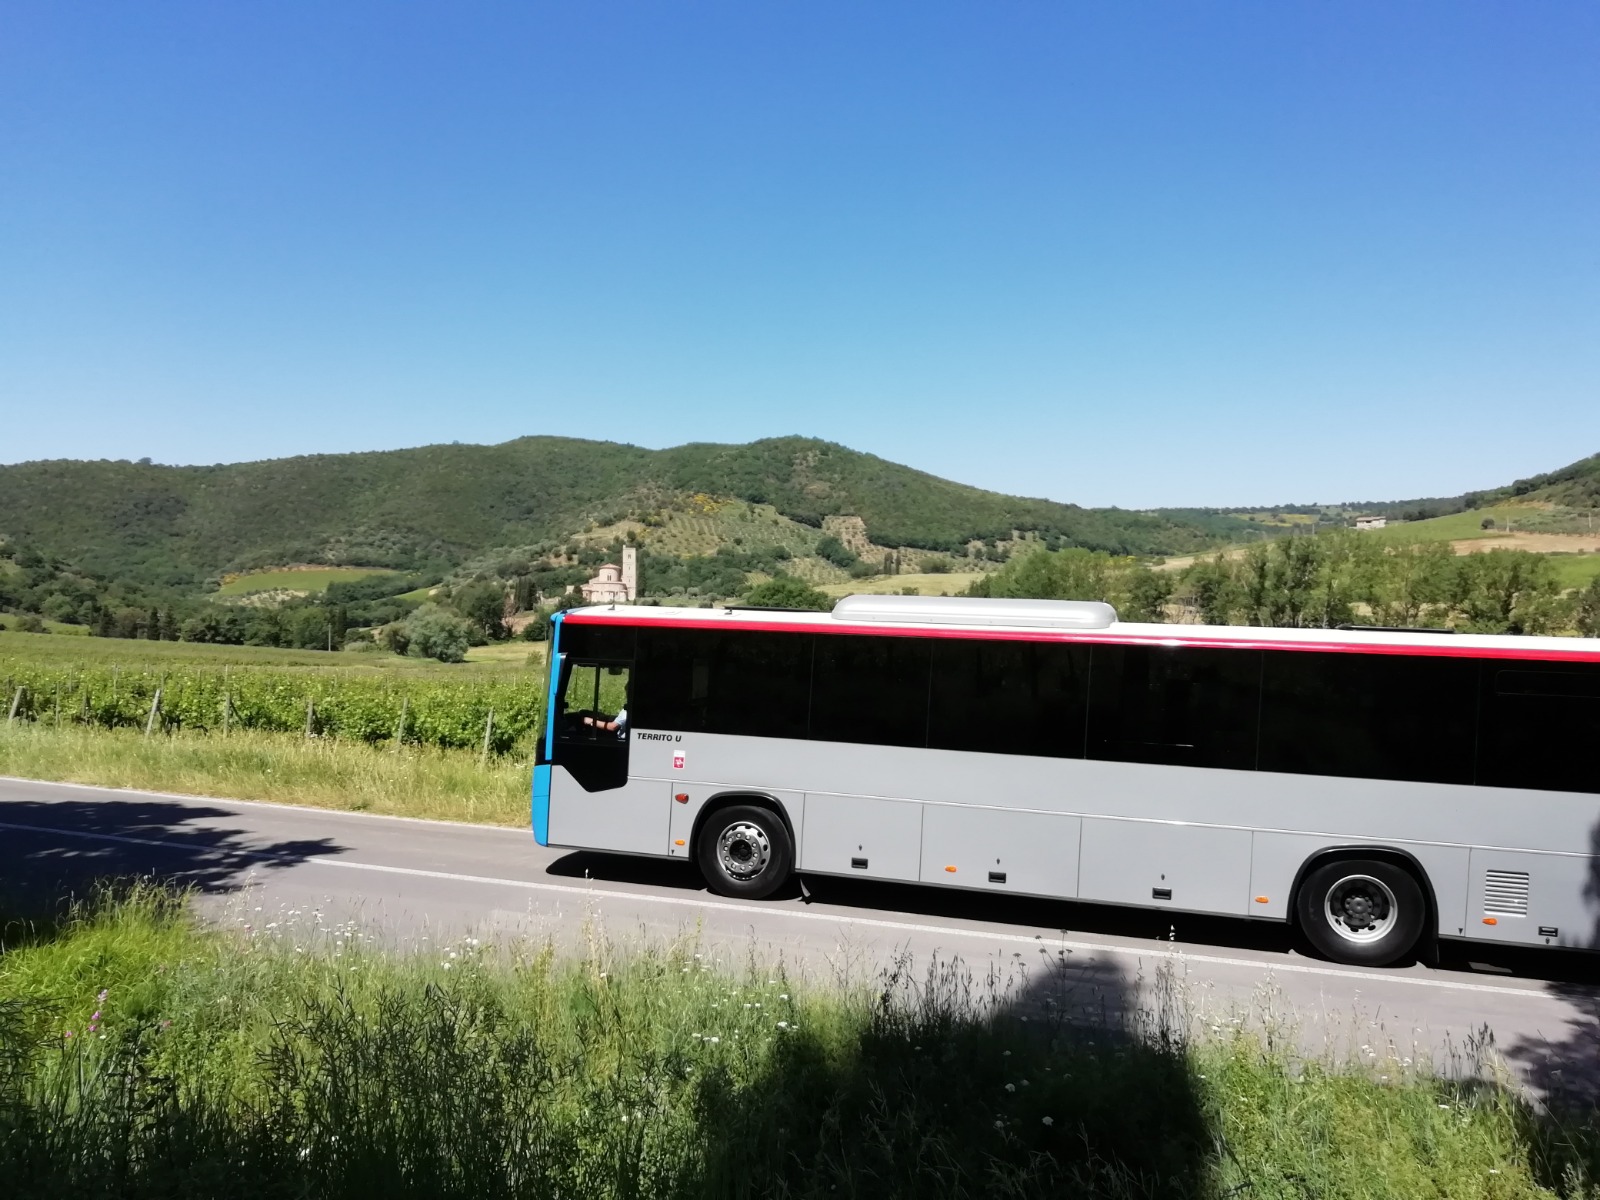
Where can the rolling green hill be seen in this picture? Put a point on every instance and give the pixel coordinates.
(437, 506)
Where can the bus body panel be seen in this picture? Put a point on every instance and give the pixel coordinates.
(1366, 810)
(910, 812)
(1202, 868)
(1000, 849)
(862, 835)
(632, 819)
(1525, 893)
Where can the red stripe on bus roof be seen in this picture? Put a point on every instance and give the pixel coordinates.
(1446, 648)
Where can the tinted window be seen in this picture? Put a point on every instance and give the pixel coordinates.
(1009, 697)
(1540, 727)
(871, 689)
(613, 642)
(1174, 705)
(712, 681)
(1373, 716)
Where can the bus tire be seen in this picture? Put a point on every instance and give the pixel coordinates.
(745, 851)
(1362, 911)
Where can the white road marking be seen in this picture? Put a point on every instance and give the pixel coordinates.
(805, 915)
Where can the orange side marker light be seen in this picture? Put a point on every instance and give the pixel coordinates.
(679, 842)
(1491, 921)
(952, 870)
(1263, 900)
(682, 797)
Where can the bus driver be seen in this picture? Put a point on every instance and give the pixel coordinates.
(617, 724)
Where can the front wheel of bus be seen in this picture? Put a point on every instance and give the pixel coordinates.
(745, 851)
(1361, 911)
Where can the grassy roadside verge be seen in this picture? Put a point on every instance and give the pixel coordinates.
(289, 769)
(145, 1057)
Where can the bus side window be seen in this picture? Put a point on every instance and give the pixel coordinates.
(1368, 716)
(1540, 726)
(1175, 705)
(872, 690)
(1009, 697)
(748, 684)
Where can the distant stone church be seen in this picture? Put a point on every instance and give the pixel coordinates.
(614, 584)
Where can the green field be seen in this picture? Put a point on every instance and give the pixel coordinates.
(300, 579)
(1575, 570)
(1518, 518)
(952, 583)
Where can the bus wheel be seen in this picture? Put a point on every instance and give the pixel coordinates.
(745, 851)
(1363, 911)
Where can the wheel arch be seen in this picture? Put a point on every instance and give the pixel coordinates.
(733, 797)
(1390, 854)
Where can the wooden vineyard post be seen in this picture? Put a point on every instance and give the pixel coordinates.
(16, 703)
(488, 729)
(155, 711)
(58, 704)
(227, 713)
(311, 714)
(400, 732)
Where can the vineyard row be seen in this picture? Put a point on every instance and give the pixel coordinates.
(445, 714)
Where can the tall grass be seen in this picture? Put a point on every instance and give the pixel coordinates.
(141, 1057)
(406, 781)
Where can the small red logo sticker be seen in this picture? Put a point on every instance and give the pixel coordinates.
(677, 760)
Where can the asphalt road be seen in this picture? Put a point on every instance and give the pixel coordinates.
(425, 884)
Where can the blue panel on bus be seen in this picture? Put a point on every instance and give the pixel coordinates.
(541, 804)
(541, 773)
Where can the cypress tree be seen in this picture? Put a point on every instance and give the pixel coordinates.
(152, 625)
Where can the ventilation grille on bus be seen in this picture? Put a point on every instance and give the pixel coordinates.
(1505, 893)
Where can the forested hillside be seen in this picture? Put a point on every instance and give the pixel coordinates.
(435, 506)
(1574, 486)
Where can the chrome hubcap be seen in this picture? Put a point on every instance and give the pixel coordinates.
(743, 850)
(1360, 908)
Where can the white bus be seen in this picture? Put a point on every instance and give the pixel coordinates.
(1377, 788)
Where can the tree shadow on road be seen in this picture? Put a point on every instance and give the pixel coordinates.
(1563, 1065)
(53, 853)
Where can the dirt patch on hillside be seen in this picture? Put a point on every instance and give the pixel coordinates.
(1538, 543)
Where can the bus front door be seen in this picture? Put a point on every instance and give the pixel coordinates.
(593, 802)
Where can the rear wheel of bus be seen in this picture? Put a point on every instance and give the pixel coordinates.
(1362, 911)
(745, 850)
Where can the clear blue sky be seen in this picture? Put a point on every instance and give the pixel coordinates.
(1139, 254)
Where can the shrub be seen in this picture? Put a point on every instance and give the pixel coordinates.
(788, 592)
(833, 550)
(433, 632)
